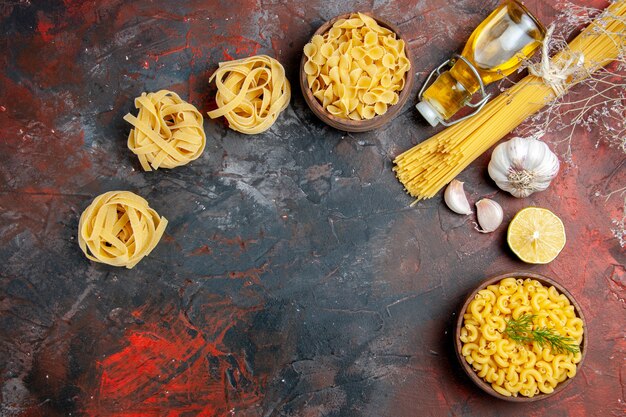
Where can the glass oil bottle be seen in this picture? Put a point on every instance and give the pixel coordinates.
(496, 48)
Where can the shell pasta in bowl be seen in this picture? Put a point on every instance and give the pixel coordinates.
(521, 337)
(356, 72)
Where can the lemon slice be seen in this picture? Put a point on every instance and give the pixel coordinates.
(536, 235)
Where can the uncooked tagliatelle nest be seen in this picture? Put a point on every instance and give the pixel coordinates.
(168, 131)
(251, 93)
(119, 228)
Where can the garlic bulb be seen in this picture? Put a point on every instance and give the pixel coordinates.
(523, 166)
(489, 214)
(455, 198)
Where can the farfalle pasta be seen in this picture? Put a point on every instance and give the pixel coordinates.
(512, 368)
(357, 68)
(167, 132)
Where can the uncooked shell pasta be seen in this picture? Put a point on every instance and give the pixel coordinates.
(515, 369)
(119, 228)
(167, 132)
(357, 68)
(251, 93)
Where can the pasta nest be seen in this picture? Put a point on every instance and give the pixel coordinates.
(251, 93)
(357, 68)
(167, 132)
(119, 228)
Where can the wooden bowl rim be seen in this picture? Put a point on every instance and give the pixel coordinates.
(472, 374)
(350, 125)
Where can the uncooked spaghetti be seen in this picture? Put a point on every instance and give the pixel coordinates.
(429, 166)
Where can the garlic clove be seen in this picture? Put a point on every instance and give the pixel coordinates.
(455, 198)
(489, 214)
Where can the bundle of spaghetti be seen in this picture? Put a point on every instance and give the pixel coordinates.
(429, 166)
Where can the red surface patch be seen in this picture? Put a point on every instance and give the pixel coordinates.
(44, 25)
(30, 138)
(168, 368)
(227, 56)
(202, 250)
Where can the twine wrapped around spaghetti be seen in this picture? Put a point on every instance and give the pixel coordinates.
(119, 228)
(562, 73)
(428, 167)
(168, 131)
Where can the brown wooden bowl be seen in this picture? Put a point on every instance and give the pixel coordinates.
(350, 125)
(472, 374)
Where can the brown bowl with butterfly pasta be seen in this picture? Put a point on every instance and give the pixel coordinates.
(347, 124)
(481, 383)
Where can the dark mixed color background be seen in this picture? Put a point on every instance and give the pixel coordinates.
(293, 278)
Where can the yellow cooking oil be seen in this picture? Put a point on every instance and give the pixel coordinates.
(496, 48)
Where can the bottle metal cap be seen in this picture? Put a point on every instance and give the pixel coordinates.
(430, 114)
